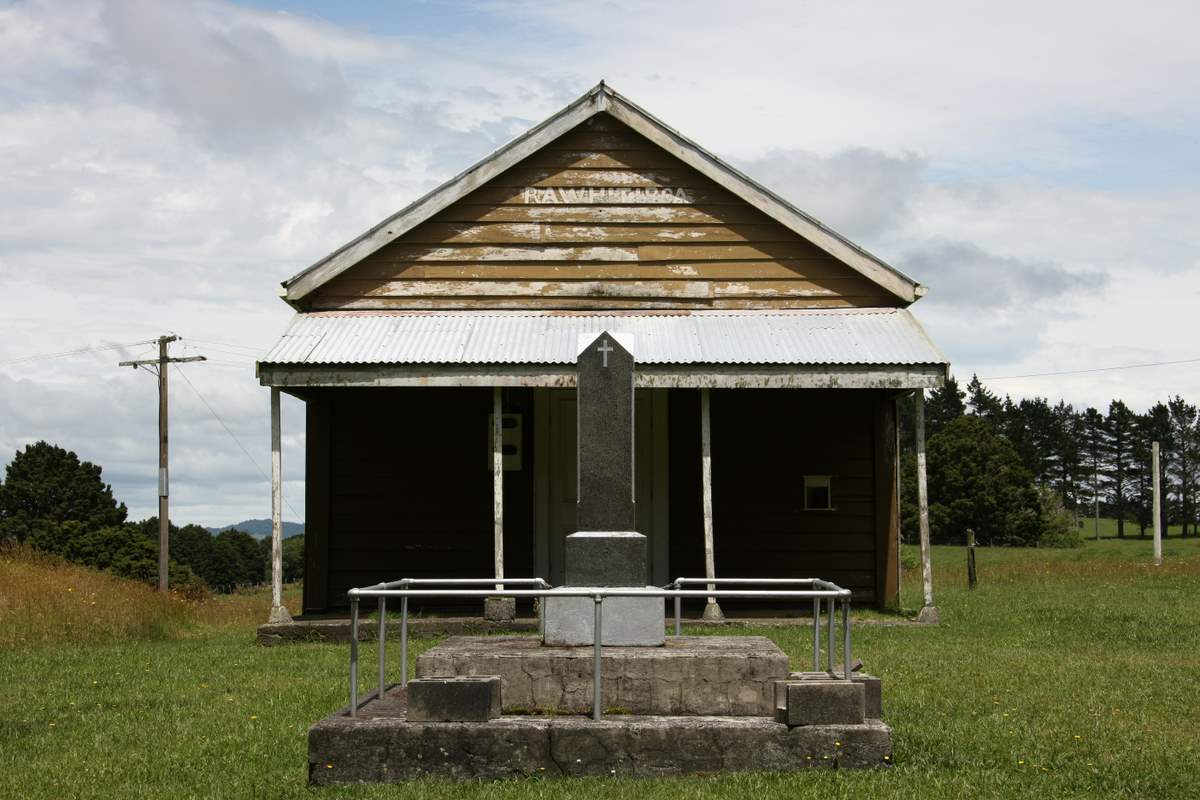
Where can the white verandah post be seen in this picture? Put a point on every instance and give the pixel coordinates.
(498, 481)
(929, 612)
(498, 609)
(279, 612)
(712, 611)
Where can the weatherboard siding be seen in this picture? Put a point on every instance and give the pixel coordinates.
(601, 218)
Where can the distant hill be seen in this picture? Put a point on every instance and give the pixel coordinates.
(261, 528)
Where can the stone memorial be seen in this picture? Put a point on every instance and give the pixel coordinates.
(606, 551)
(511, 706)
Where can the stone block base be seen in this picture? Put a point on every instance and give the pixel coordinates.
(605, 558)
(626, 622)
(821, 702)
(872, 689)
(689, 675)
(500, 609)
(346, 750)
(454, 699)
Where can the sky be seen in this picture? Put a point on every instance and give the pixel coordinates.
(163, 166)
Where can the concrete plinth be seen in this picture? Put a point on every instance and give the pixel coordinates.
(690, 675)
(872, 689)
(827, 702)
(605, 558)
(454, 699)
(626, 621)
(391, 748)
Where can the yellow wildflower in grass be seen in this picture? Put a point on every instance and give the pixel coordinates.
(253, 716)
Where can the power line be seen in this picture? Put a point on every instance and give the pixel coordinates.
(225, 344)
(1093, 369)
(76, 352)
(232, 435)
(229, 352)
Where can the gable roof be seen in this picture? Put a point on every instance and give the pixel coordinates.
(602, 99)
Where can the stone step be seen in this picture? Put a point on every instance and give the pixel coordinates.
(342, 749)
(689, 675)
(454, 699)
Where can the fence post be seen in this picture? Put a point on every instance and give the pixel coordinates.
(816, 634)
(597, 681)
(382, 647)
(354, 656)
(404, 640)
(972, 578)
(1156, 514)
(829, 655)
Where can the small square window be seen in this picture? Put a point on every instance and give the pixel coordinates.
(818, 496)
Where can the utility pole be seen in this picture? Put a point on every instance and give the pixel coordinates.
(158, 366)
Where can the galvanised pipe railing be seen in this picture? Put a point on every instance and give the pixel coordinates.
(820, 590)
(817, 582)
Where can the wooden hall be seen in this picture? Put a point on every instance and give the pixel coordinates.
(435, 354)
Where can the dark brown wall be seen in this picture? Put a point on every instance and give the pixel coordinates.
(410, 488)
(763, 443)
(407, 487)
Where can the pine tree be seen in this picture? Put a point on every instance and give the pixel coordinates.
(1156, 427)
(1095, 446)
(1037, 438)
(1183, 472)
(984, 404)
(943, 406)
(1065, 454)
(1118, 466)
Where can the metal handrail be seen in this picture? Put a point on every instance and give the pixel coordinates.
(824, 584)
(402, 589)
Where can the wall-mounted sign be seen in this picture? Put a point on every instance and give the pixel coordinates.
(535, 195)
(510, 425)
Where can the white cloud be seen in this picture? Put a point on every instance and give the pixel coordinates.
(165, 165)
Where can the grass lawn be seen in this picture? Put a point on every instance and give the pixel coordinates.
(1068, 673)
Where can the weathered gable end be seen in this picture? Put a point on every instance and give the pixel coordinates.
(599, 218)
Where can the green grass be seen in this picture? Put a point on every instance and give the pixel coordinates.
(1083, 664)
(1108, 529)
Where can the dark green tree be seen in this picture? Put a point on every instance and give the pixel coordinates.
(46, 483)
(943, 406)
(976, 481)
(984, 404)
(1066, 454)
(1183, 472)
(293, 558)
(1156, 427)
(193, 545)
(1095, 449)
(1118, 462)
(1032, 431)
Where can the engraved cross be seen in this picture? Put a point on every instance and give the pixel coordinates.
(605, 348)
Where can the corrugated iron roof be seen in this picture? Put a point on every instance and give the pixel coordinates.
(808, 336)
